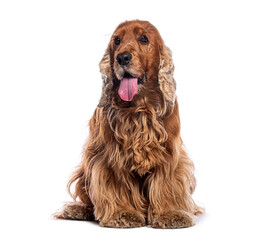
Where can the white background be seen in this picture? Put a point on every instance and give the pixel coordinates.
(50, 86)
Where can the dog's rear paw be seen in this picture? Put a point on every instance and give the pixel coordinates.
(176, 219)
(75, 211)
(124, 220)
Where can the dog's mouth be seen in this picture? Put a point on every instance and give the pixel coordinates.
(129, 86)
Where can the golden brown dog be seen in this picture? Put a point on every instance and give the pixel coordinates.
(134, 169)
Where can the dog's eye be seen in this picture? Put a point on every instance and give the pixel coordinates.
(143, 39)
(117, 41)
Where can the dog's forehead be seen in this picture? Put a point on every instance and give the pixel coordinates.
(136, 28)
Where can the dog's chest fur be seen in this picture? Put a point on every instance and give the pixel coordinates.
(140, 139)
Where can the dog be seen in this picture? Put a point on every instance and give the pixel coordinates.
(135, 171)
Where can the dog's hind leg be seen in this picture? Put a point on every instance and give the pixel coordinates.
(75, 211)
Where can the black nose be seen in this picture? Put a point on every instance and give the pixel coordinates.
(123, 58)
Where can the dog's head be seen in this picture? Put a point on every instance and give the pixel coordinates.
(135, 63)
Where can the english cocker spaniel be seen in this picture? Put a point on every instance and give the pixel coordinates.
(134, 170)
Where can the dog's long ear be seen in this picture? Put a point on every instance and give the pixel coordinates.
(107, 81)
(165, 75)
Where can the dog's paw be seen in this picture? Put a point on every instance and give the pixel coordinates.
(175, 219)
(75, 211)
(124, 220)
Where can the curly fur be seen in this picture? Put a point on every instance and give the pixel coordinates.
(134, 169)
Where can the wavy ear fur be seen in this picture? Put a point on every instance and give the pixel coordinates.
(165, 75)
(107, 81)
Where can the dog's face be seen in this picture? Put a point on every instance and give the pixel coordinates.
(136, 48)
(136, 59)
(136, 54)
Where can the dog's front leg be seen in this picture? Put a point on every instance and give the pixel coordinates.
(116, 198)
(170, 203)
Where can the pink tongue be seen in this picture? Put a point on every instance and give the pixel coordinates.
(128, 88)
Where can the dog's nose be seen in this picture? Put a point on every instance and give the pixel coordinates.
(123, 58)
